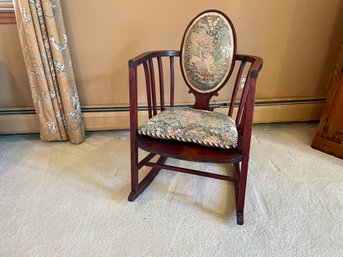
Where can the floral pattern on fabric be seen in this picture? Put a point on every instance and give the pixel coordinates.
(46, 54)
(194, 126)
(208, 51)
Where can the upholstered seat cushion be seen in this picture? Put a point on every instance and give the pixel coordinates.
(195, 126)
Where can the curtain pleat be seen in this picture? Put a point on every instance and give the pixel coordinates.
(47, 58)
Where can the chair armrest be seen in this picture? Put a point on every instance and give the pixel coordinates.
(134, 62)
(256, 63)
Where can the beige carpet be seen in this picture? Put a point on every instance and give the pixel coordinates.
(57, 199)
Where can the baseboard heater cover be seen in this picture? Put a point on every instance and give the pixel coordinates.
(24, 120)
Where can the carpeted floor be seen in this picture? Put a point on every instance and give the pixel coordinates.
(58, 199)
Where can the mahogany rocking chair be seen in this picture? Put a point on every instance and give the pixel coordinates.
(207, 59)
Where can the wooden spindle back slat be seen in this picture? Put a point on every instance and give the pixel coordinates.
(243, 101)
(172, 81)
(161, 80)
(236, 87)
(152, 91)
(153, 86)
(147, 84)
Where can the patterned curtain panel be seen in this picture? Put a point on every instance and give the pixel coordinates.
(47, 58)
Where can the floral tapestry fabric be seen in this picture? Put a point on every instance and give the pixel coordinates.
(207, 51)
(194, 126)
(46, 54)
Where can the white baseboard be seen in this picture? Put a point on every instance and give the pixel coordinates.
(265, 112)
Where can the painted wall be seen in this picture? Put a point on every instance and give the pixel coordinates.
(299, 41)
(14, 86)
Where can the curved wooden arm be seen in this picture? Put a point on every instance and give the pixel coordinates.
(256, 63)
(134, 62)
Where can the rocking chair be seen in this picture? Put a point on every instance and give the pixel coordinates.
(207, 59)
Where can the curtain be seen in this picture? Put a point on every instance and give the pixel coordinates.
(46, 54)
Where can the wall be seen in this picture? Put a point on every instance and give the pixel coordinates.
(14, 85)
(298, 39)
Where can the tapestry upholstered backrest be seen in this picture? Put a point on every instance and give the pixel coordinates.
(207, 52)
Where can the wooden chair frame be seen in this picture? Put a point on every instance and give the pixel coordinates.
(238, 156)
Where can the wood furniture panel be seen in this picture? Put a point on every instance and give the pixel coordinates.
(329, 137)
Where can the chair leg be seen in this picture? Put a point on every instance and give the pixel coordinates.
(138, 188)
(237, 174)
(240, 192)
(134, 172)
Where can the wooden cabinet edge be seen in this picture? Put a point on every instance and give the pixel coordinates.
(321, 140)
(327, 146)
